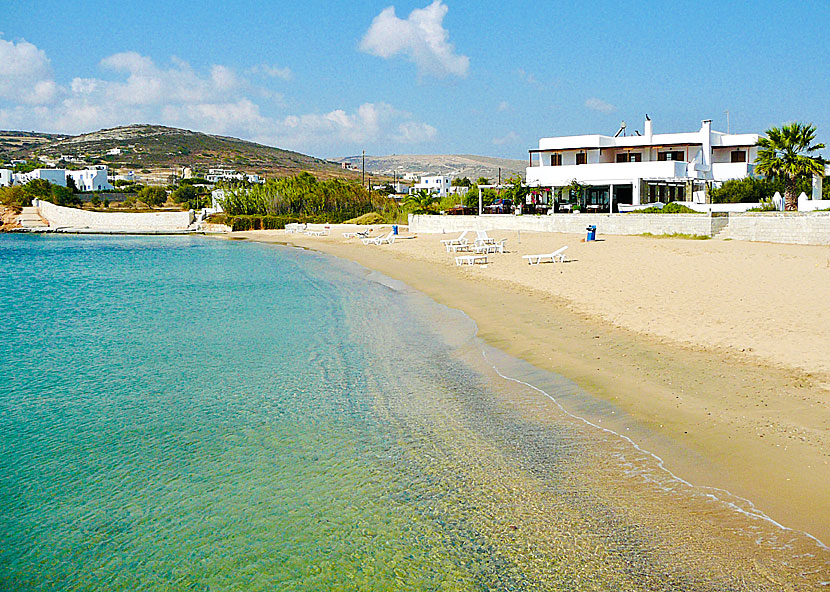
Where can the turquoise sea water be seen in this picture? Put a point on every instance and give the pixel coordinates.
(180, 413)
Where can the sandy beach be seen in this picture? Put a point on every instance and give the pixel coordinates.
(721, 348)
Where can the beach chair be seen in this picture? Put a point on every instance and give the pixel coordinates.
(483, 239)
(470, 259)
(359, 234)
(494, 247)
(454, 241)
(379, 240)
(559, 255)
(463, 245)
(324, 232)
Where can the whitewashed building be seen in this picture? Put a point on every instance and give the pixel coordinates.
(217, 175)
(437, 184)
(638, 169)
(92, 179)
(6, 177)
(54, 176)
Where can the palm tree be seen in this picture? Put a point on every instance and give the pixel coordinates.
(788, 153)
(422, 202)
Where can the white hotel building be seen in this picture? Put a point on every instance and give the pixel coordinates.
(638, 169)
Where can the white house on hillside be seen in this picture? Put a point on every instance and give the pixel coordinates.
(6, 177)
(91, 179)
(438, 184)
(638, 169)
(94, 179)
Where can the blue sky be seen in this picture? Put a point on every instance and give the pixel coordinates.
(451, 76)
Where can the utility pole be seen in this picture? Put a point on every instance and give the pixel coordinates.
(363, 182)
(727, 121)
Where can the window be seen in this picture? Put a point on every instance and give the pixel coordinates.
(630, 157)
(581, 158)
(739, 156)
(556, 159)
(673, 155)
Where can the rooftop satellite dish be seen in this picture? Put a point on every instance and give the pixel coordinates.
(621, 130)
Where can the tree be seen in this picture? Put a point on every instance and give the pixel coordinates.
(461, 182)
(482, 181)
(515, 191)
(153, 196)
(70, 184)
(95, 201)
(788, 154)
(186, 194)
(422, 202)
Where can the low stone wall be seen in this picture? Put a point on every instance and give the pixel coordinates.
(805, 228)
(799, 228)
(61, 217)
(700, 224)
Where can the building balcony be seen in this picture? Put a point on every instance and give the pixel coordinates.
(605, 173)
(724, 171)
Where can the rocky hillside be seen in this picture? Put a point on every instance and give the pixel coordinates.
(147, 147)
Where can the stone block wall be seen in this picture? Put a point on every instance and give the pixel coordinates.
(61, 217)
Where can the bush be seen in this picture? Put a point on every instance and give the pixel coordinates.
(370, 218)
(243, 223)
(669, 208)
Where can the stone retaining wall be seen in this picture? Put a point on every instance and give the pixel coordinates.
(700, 224)
(806, 228)
(62, 217)
(780, 227)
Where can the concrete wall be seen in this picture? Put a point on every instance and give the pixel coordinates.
(572, 223)
(61, 217)
(800, 228)
(806, 228)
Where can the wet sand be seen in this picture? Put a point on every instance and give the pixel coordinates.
(718, 350)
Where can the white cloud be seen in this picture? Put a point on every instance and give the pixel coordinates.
(273, 71)
(372, 122)
(422, 38)
(25, 74)
(596, 104)
(506, 139)
(220, 101)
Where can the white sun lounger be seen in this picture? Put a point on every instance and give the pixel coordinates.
(460, 246)
(559, 254)
(470, 259)
(483, 239)
(455, 241)
(494, 247)
(363, 234)
(324, 232)
(380, 240)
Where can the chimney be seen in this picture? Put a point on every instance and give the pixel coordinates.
(647, 128)
(706, 143)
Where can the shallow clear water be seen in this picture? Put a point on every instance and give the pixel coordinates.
(179, 413)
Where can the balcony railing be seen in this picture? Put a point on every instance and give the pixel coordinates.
(607, 172)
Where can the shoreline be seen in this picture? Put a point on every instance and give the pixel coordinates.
(677, 392)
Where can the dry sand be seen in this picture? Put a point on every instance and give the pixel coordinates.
(720, 347)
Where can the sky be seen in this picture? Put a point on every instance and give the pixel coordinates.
(480, 77)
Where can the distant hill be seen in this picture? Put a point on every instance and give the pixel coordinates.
(14, 143)
(153, 152)
(155, 146)
(455, 165)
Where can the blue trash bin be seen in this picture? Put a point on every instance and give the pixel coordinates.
(395, 229)
(592, 233)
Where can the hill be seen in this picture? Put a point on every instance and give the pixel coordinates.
(138, 147)
(13, 144)
(455, 165)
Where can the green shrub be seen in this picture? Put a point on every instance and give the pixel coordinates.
(370, 218)
(669, 208)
